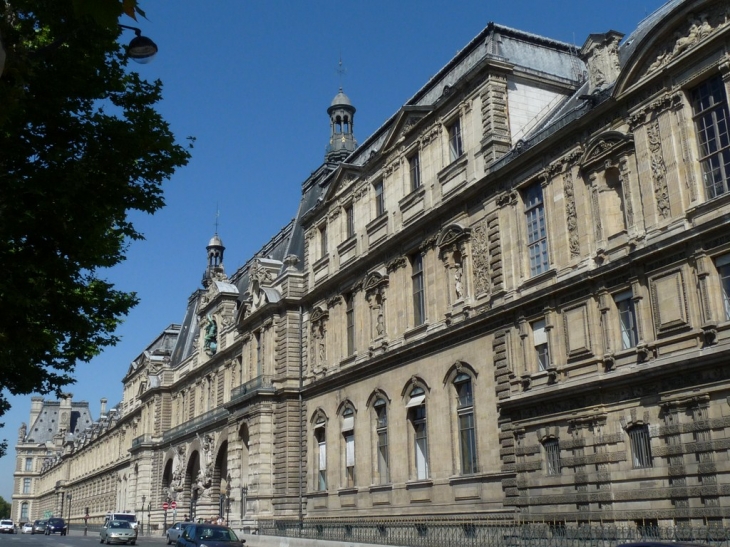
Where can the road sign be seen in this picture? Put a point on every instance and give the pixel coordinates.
(173, 505)
(165, 506)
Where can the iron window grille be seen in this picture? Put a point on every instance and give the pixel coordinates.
(552, 456)
(640, 446)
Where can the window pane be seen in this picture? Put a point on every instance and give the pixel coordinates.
(467, 438)
(711, 121)
(455, 145)
(421, 451)
(627, 321)
(536, 230)
(418, 291)
(640, 446)
(725, 280)
(415, 170)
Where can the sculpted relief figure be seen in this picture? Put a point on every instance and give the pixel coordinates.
(210, 344)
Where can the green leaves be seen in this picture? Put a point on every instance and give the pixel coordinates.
(81, 145)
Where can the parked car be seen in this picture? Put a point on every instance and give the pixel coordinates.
(56, 525)
(39, 527)
(209, 535)
(7, 526)
(27, 528)
(175, 531)
(127, 517)
(117, 531)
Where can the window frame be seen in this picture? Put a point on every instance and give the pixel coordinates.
(627, 319)
(418, 289)
(414, 171)
(27, 486)
(466, 423)
(553, 465)
(456, 141)
(710, 103)
(28, 464)
(348, 437)
(379, 191)
(350, 323)
(320, 440)
(640, 442)
(417, 418)
(323, 242)
(722, 265)
(349, 220)
(380, 410)
(537, 234)
(541, 344)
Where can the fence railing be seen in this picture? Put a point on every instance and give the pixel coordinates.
(489, 533)
(250, 388)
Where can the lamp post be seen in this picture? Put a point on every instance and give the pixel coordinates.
(149, 517)
(141, 532)
(68, 496)
(244, 493)
(228, 500)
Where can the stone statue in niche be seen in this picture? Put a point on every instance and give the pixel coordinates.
(210, 342)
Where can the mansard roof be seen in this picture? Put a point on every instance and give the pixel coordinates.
(45, 426)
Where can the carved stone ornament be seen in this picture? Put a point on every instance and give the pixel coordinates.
(318, 314)
(373, 281)
(451, 235)
(695, 28)
(600, 53)
(658, 169)
(571, 214)
(396, 263)
(481, 258)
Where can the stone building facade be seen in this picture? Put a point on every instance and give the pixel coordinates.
(513, 299)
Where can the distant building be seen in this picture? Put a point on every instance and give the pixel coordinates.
(511, 300)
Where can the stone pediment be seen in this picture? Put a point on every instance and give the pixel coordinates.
(345, 176)
(405, 120)
(603, 146)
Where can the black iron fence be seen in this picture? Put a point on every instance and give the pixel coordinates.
(488, 533)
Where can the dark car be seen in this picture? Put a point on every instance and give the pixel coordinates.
(56, 525)
(210, 535)
(39, 527)
(175, 531)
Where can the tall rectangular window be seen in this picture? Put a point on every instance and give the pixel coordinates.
(29, 464)
(24, 511)
(323, 241)
(723, 270)
(349, 221)
(381, 430)
(414, 167)
(456, 148)
(640, 446)
(321, 443)
(419, 297)
(421, 442)
(710, 109)
(26, 486)
(627, 319)
(539, 339)
(552, 456)
(259, 354)
(350, 321)
(467, 432)
(379, 199)
(536, 230)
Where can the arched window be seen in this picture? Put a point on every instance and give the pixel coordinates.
(380, 408)
(348, 435)
(320, 457)
(417, 417)
(467, 432)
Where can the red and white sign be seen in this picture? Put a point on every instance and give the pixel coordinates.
(173, 505)
(165, 506)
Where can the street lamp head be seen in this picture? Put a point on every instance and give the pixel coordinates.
(141, 49)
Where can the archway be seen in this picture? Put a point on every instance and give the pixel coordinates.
(220, 474)
(190, 492)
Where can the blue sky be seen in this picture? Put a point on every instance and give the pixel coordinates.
(251, 81)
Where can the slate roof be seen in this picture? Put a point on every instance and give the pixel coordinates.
(45, 426)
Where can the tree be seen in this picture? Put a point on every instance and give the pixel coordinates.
(4, 508)
(81, 146)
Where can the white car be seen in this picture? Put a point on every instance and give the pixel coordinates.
(27, 528)
(7, 527)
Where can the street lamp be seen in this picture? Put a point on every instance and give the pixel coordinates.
(149, 517)
(141, 532)
(228, 500)
(141, 49)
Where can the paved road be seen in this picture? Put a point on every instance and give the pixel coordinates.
(75, 538)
